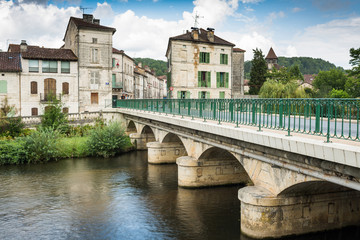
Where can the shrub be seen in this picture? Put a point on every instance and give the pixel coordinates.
(40, 146)
(107, 141)
(53, 116)
(11, 152)
(72, 147)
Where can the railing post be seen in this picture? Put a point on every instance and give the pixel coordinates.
(214, 110)
(289, 118)
(329, 113)
(281, 113)
(317, 116)
(231, 109)
(254, 110)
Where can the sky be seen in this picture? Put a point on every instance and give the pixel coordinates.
(324, 29)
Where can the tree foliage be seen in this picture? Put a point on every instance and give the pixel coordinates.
(159, 66)
(325, 81)
(338, 94)
(258, 72)
(10, 126)
(355, 62)
(53, 116)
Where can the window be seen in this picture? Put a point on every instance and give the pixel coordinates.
(183, 94)
(94, 40)
(33, 65)
(34, 112)
(65, 67)
(222, 80)
(94, 98)
(223, 58)
(222, 95)
(33, 88)
(94, 55)
(65, 110)
(204, 94)
(65, 88)
(95, 79)
(113, 62)
(204, 57)
(49, 66)
(3, 86)
(204, 79)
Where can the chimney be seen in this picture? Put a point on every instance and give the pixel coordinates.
(23, 46)
(96, 21)
(210, 34)
(88, 18)
(195, 33)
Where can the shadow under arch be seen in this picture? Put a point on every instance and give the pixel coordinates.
(131, 127)
(221, 155)
(173, 138)
(312, 188)
(148, 131)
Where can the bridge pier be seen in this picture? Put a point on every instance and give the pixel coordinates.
(160, 153)
(194, 173)
(140, 140)
(264, 215)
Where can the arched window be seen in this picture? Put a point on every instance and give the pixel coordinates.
(33, 88)
(65, 88)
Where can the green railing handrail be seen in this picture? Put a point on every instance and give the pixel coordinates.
(328, 117)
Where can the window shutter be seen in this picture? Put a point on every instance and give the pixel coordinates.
(226, 59)
(207, 57)
(178, 94)
(222, 95)
(65, 88)
(199, 79)
(208, 78)
(65, 110)
(217, 79)
(187, 94)
(34, 112)
(199, 94)
(33, 87)
(226, 80)
(207, 94)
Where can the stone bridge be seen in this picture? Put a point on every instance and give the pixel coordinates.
(293, 184)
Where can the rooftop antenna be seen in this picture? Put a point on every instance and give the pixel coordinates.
(196, 18)
(83, 9)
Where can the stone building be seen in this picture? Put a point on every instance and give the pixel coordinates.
(92, 44)
(45, 73)
(200, 65)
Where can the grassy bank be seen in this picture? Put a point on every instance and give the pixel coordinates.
(47, 144)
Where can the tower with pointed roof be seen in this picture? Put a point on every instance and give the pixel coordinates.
(272, 60)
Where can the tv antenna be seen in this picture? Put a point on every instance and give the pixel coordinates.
(83, 9)
(196, 18)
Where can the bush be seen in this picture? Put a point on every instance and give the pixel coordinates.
(107, 141)
(54, 117)
(11, 152)
(40, 146)
(72, 147)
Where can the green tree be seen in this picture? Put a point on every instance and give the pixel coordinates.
(295, 72)
(53, 116)
(355, 62)
(352, 86)
(338, 94)
(325, 81)
(258, 72)
(9, 125)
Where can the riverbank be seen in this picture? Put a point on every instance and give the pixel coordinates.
(45, 144)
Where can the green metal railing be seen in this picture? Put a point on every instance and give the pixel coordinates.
(331, 118)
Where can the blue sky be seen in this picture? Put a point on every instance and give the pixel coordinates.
(316, 28)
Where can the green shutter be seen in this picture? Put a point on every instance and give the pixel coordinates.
(187, 94)
(3, 86)
(208, 79)
(207, 57)
(226, 59)
(217, 79)
(226, 80)
(178, 94)
(199, 95)
(207, 94)
(221, 59)
(199, 79)
(114, 80)
(222, 95)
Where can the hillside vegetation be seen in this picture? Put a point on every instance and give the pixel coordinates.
(307, 65)
(159, 66)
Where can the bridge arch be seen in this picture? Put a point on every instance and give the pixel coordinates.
(131, 127)
(173, 138)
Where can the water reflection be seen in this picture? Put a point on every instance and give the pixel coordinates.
(119, 198)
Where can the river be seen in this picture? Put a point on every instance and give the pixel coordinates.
(117, 198)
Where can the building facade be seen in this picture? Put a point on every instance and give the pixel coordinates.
(200, 65)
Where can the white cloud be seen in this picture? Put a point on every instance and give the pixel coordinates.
(275, 15)
(104, 12)
(251, 1)
(38, 24)
(330, 41)
(291, 51)
(297, 9)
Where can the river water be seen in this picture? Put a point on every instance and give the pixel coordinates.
(117, 198)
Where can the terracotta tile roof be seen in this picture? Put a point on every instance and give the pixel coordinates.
(202, 38)
(35, 52)
(117, 51)
(309, 78)
(80, 23)
(163, 77)
(271, 54)
(10, 62)
(238, 50)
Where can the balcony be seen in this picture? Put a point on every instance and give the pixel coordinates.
(117, 85)
(47, 97)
